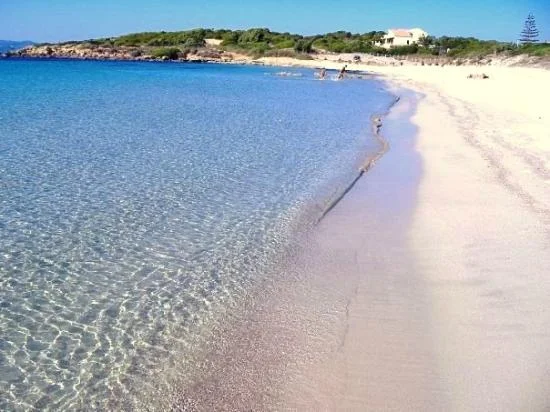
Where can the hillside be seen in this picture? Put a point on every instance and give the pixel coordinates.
(226, 45)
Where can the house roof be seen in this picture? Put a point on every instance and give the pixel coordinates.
(401, 32)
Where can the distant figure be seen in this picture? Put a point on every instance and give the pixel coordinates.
(342, 72)
(322, 74)
(477, 76)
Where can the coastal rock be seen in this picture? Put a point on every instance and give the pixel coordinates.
(90, 51)
(209, 54)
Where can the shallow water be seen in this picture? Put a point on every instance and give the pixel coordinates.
(138, 201)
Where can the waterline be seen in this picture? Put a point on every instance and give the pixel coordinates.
(141, 202)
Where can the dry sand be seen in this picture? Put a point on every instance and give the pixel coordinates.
(480, 233)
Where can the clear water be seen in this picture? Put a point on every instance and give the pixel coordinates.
(138, 201)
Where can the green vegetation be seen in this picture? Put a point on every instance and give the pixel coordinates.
(258, 41)
(467, 46)
(190, 38)
(170, 53)
(530, 33)
(263, 42)
(540, 50)
(346, 42)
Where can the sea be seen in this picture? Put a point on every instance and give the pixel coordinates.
(141, 203)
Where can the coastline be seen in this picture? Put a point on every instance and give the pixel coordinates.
(476, 250)
(301, 334)
(429, 276)
(370, 161)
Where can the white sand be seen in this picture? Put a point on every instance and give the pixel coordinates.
(481, 232)
(465, 325)
(428, 287)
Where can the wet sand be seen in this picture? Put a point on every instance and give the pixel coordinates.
(426, 288)
(349, 320)
(385, 358)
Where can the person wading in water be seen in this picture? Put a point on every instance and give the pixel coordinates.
(342, 72)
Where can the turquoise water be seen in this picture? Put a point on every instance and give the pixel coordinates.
(139, 201)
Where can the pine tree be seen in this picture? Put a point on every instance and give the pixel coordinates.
(529, 33)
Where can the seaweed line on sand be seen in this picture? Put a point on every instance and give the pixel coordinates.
(376, 122)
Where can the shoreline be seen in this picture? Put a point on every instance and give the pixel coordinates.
(429, 276)
(370, 161)
(210, 53)
(477, 249)
(298, 318)
(357, 260)
(330, 61)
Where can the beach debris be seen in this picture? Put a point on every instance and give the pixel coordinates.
(377, 123)
(478, 76)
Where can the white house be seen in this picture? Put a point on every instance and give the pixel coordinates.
(401, 37)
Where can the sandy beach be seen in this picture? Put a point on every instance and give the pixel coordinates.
(480, 233)
(317, 207)
(449, 254)
(426, 287)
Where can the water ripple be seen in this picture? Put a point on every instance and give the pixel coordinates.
(140, 201)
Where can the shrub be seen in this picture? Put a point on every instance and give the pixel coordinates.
(535, 49)
(379, 51)
(280, 53)
(285, 44)
(253, 36)
(171, 53)
(403, 50)
(194, 42)
(258, 50)
(230, 38)
(303, 46)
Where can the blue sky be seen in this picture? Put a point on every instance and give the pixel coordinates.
(58, 20)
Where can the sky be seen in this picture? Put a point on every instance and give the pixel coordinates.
(62, 20)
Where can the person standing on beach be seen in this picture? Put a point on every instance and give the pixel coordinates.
(342, 72)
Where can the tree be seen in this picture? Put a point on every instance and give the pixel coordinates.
(303, 46)
(426, 41)
(253, 36)
(529, 33)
